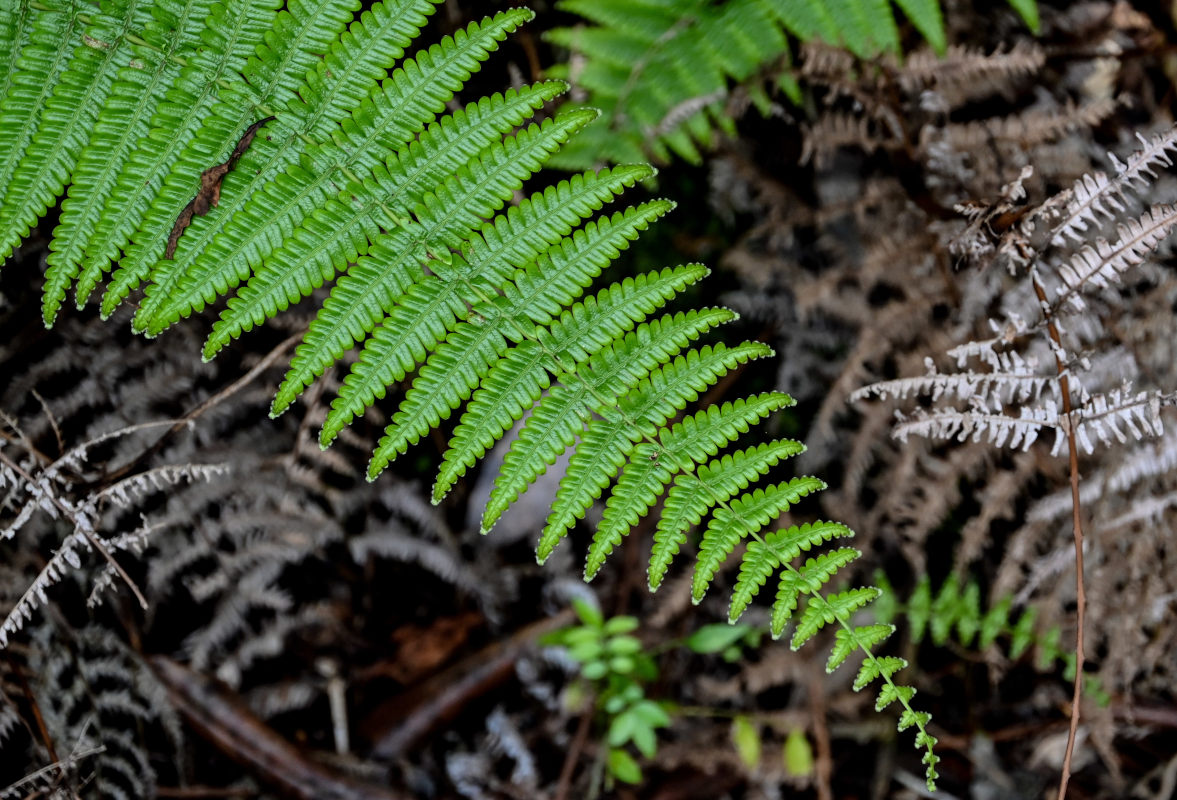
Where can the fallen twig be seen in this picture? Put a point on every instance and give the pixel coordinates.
(222, 719)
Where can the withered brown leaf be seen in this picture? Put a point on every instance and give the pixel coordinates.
(209, 193)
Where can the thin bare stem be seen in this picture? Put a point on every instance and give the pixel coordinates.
(574, 752)
(1077, 529)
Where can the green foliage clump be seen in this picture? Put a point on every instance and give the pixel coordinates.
(617, 671)
(953, 614)
(661, 70)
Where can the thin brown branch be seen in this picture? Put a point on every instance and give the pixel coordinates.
(31, 698)
(1077, 530)
(222, 719)
(824, 763)
(574, 751)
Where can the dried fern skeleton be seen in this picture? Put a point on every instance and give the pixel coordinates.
(1013, 399)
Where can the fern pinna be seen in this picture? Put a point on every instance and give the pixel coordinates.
(660, 69)
(211, 148)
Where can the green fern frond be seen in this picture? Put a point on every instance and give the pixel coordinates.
(489, 309)
(662, 69)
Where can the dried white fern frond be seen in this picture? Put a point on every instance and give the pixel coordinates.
(393, 541)
(268, 641)
(1005, 333)
(133, 541)
(8, 478)
(1031, 127)
(1143, 510)
(22, 517)
(1102, 265)
(968, 68)
(67, 559)
(1093, 194)
(1016, 381)
(130, 489)
(1107, 415)
(831, 132)
(1152, 460)
(231, 619)
(998, 429)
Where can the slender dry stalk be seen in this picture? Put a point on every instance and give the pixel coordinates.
(1077, 528)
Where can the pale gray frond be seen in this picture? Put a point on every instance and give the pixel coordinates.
(1094, 194)
(1102, 265)
(998, 429)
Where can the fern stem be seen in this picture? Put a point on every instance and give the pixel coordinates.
(722, 502)
(1076, 527)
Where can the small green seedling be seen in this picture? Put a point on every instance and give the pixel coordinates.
(614, 670)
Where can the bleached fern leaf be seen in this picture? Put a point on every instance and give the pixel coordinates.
(67, 559)
(1096, 194)
(962, 68)
(1105, 416)
(1015, 380)
(998, 429)
(1102, 265)
(128, 490)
